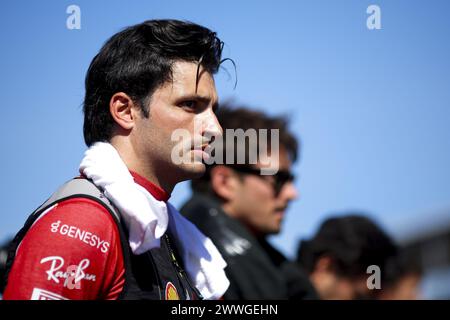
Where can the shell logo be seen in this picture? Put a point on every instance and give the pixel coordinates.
(171, 292)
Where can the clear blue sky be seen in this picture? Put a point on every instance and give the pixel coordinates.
(371, 107)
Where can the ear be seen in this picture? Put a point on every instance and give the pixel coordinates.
(323, 264)
(224, 182)
(122, 110)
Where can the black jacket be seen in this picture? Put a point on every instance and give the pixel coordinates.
(256, 270)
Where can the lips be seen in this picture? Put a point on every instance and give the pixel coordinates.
(201, 151)
(202, 147)
(281, 209)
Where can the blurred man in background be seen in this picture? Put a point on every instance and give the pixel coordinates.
(403, 277)
(238, 208)
(338, 256)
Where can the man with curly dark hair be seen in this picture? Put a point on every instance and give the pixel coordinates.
(111, 233)
(338, 257)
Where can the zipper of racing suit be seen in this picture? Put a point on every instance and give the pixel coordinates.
(179, 269)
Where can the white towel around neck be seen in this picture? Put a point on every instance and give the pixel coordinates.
(147, 219)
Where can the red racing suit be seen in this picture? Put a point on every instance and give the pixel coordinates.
(72, 251)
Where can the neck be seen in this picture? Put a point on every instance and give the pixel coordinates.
(151, 176)
(134, 163)
(231, 212)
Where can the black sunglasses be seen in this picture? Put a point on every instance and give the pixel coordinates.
(281, 177)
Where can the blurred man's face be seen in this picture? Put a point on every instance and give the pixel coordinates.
(335, 287)
(332, 286)
(256, 204)
(406, 288)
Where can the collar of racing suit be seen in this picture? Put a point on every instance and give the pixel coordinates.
(157, 192)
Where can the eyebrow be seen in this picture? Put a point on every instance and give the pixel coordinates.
(202, 99)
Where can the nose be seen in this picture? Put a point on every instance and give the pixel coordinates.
(211, 126)
(289, 192)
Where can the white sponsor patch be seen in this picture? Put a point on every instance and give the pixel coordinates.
(72, 275)
(40, 294)
(84, 236)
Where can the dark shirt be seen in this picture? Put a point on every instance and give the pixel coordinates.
(256, 269)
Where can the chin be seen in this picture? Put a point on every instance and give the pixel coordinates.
(272, 231)
(193, 170)
(276, 230)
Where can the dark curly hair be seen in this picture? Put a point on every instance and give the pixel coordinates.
(353, 242)
(137, 61)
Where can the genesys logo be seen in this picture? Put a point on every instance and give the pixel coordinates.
(71, 276)
(40, 294)
(84, 236)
